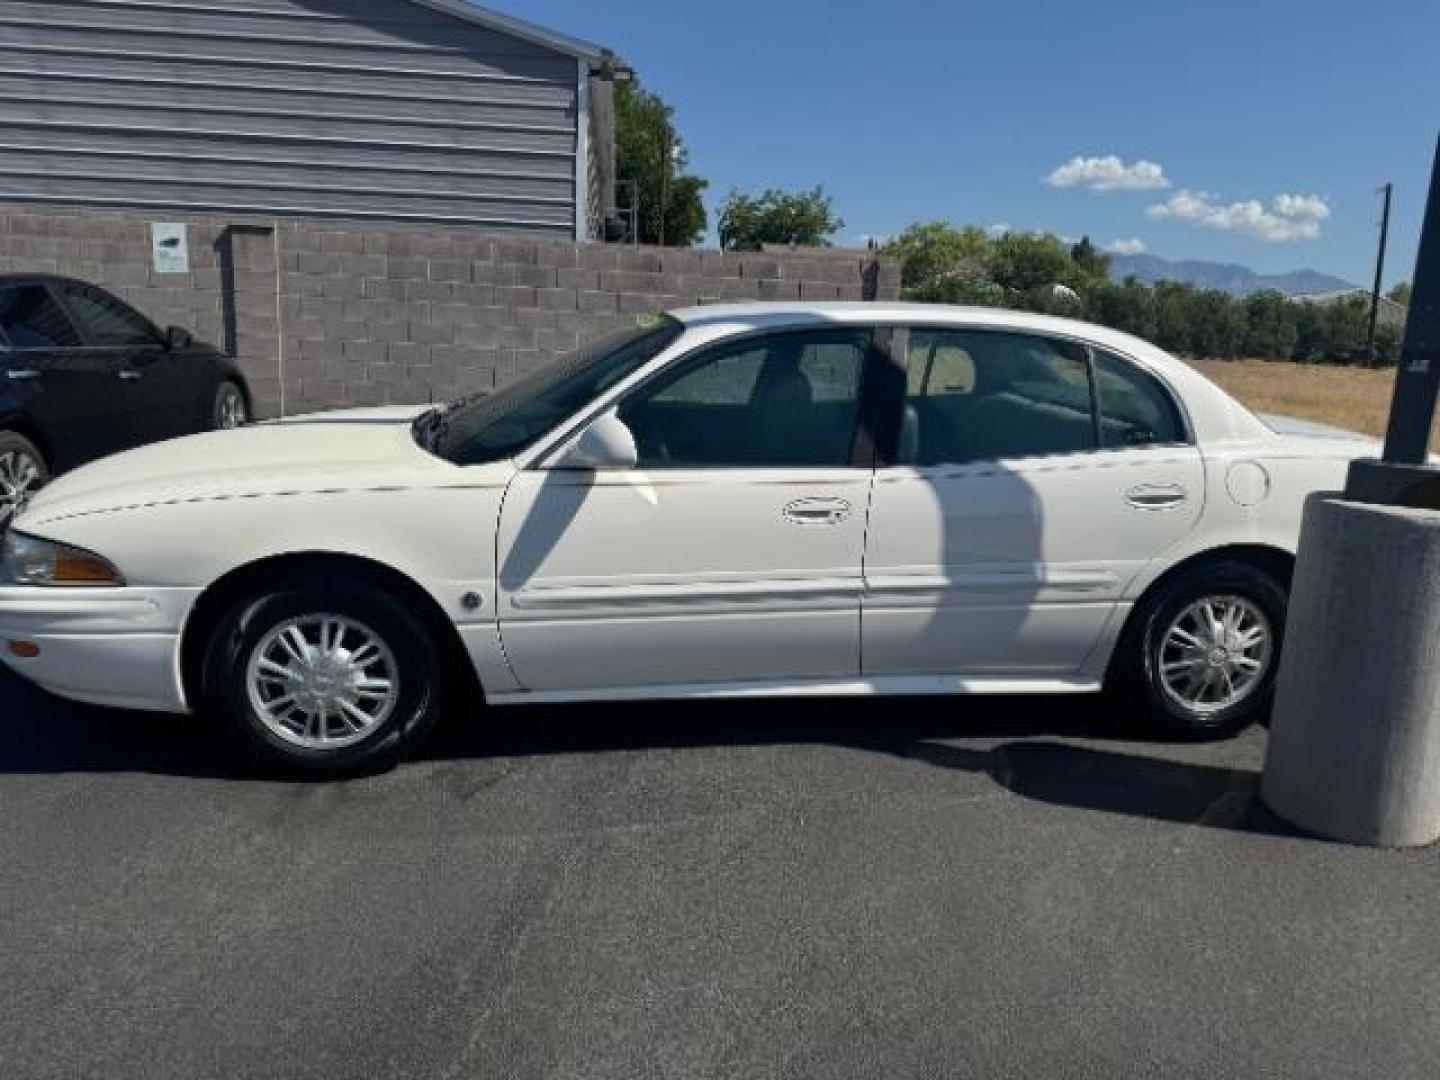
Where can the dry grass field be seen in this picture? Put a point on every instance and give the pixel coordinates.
(1353, 398)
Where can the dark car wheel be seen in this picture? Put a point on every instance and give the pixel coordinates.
(23, 472)
(1202, 653)
(323, 678)
(230, 408)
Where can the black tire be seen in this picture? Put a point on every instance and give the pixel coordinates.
(237, 637)
(1136, 674)
(229, 407)
(19, 457)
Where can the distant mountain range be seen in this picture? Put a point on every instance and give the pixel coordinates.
(1236, 280)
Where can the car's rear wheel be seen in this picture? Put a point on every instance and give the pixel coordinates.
(1202, 652)
(23, 472)
(230, 407)
(333, 678)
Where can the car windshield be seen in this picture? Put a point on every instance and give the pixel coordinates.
(502, 424)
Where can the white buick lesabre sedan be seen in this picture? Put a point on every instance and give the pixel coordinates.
(725, 502)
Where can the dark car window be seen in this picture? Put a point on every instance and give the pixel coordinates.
(106, 321)
(31, 319)
(504, 423)
(981, 395)
(1135, 410)
(789, 399)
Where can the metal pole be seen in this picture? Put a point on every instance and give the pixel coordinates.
(1389, 190)
(1418, 382)
(664, 183)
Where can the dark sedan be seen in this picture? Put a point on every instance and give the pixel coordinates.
(83, 375)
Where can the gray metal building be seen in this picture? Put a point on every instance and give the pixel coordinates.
(407, 111)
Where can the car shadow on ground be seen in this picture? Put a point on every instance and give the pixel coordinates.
(1069, 752)
(1072, 752)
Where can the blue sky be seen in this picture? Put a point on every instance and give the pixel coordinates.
(961, 110)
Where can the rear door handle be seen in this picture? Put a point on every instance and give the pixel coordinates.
(817, 511)
(22, 375)
(130, 374)
(1157, 496)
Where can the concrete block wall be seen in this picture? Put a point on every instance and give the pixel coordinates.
(325, 315)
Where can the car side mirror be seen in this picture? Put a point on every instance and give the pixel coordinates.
(177, 337)
(607, 443)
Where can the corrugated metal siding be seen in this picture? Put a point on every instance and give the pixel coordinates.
(370, 109)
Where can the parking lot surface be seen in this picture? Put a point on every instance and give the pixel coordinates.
(1008, 887)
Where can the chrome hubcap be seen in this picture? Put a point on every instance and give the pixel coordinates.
(1216, 653)
(229, 409)
(323, 682)
(20, 477)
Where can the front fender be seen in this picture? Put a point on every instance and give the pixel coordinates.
(442, 538)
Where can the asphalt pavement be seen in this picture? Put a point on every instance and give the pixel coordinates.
(954, 888)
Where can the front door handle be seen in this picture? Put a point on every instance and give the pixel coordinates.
(22, 375)
(130, 375)
(1157, 496)
(818, 511)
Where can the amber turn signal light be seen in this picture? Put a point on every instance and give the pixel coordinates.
(74, 567)
(25, 650)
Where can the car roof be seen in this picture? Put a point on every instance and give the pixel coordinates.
(783, 313)
(14, 277)
(772, 315)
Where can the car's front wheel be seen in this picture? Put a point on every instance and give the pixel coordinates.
(230, 409)
(324, 679)
(23, 472)
(1203, 651)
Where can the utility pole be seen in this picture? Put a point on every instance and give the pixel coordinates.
(1389, 190)
(1417, 385)
(666, 150)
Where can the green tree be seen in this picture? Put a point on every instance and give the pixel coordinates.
(959, 288)
(1129, 306)
(801, 218)
(1025, 262)
(933, 252)
(1401, 293)
(945, 264)
(1172, 316)
(1272, 329)
(1094, 262)
(1217, 324)
(650, 162)
(1312, 333)
(1348, 331)
(1388, 341)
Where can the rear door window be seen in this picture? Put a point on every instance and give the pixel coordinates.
(1135, 410)
(31, 319)
(985, 395)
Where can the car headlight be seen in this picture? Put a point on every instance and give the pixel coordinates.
(29, 560)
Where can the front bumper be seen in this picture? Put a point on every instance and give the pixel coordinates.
(116, 647)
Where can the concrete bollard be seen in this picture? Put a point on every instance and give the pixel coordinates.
(1354, 749)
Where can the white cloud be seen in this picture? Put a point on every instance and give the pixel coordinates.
(1108, 173)
(1133, 246)
(1301, 207)
(1287, 218)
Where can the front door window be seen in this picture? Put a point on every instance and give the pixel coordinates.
(787, 400)
(108, 323)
